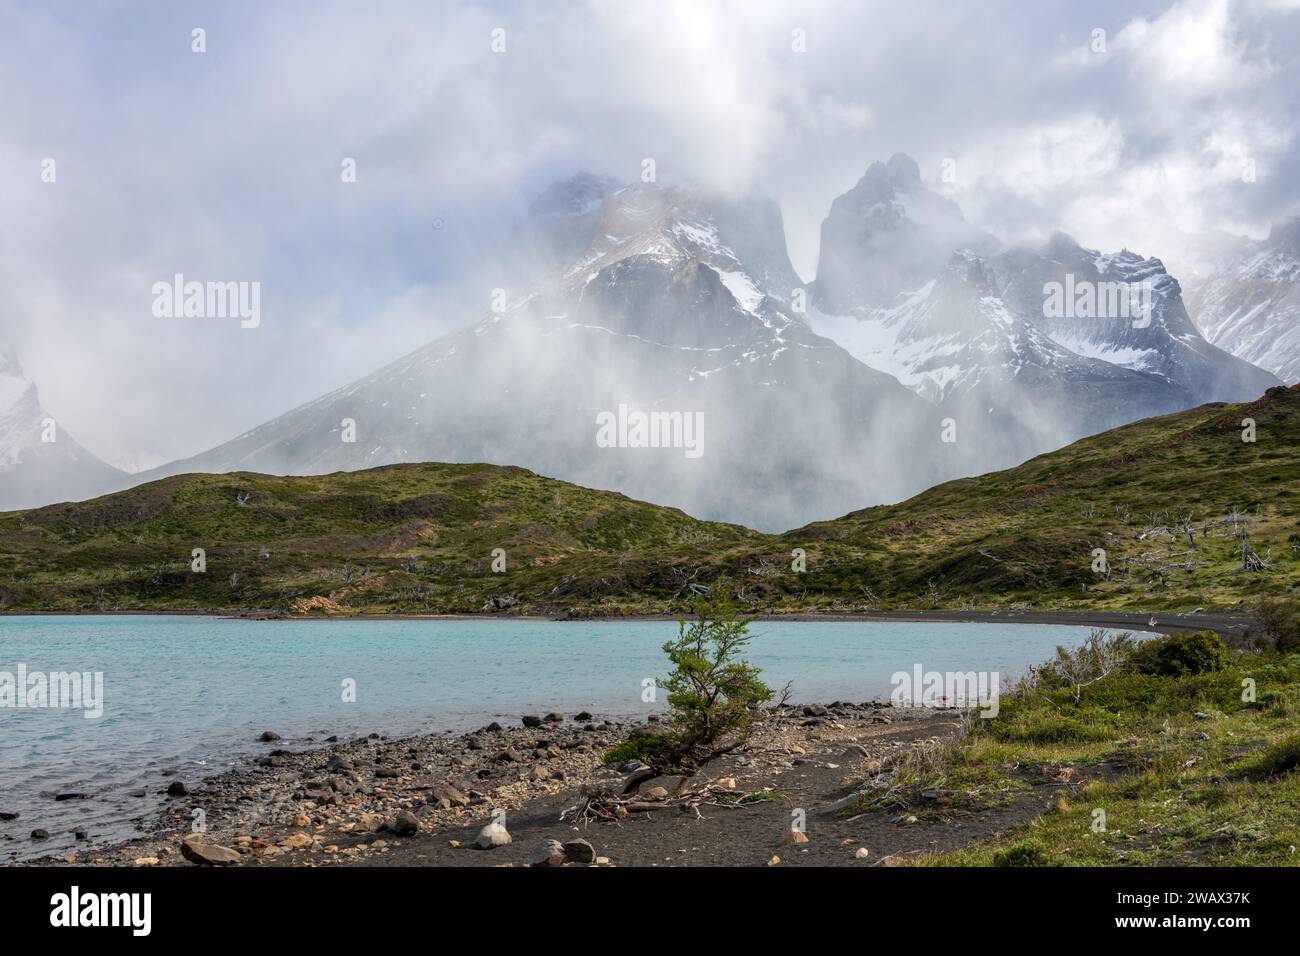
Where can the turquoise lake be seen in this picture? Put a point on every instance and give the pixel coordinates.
(191, 694)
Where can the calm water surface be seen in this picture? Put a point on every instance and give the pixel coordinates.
(191, 694)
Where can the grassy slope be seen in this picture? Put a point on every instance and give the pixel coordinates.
(419, 538)
(1182, 771)
(413, 538)
(1026, 535)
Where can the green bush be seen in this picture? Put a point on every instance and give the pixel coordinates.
(638, 748)
(713, 692)
(1050, 728)
(1179, 655)
(1269, 699)
(1025, 853)
(1281, 757)
(1279, 623)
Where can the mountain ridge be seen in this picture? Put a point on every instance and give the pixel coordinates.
(39, 460)
(1249, 303)
(423, 538)
(918, 326)
(657, 313)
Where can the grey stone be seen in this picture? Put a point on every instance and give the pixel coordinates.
(551, 853)
(194, 849)
(580, 851)
(405, 824)
(445, 791)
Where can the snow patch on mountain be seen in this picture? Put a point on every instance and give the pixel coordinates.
(33, 470)
(1249, 304)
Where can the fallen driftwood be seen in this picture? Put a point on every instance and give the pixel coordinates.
(606, 806)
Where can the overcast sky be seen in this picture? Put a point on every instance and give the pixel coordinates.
(225, 165)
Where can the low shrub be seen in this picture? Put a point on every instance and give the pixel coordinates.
(1025, 853)
(1281, 757)
(714, 694)
(1179, 655)
(1077, 668)
(1044, 728)
(638, 748)
(1279, 624)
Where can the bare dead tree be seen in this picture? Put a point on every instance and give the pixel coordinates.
(1250, 559)
(936, 592)
(1099, 656)
(684, 578)
(1237, 515)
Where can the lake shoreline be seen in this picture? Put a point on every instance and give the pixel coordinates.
(422, 800)
(1165, 623)
(350, 789)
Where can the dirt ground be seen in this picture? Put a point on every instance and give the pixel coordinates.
(343, 805)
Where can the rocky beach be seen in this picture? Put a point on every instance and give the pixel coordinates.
(512, 796)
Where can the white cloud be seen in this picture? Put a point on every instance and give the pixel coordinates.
(225, 165)
(1191, 50)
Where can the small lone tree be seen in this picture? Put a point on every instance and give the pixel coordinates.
(1100, 655)
(713, 693)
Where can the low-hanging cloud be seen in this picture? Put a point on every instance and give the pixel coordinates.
(225, 165)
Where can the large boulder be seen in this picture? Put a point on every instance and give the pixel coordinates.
(580, 851)
(405, 824)
(196, 850)
(551, 853)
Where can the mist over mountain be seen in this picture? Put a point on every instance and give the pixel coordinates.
(910, 288)
(888, 235)
(924, 349)
(1247, 300)
(39, 463)
(659, 313)
(1163, 341)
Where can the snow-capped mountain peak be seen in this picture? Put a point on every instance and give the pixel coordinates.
(743, 240)
(887, 235)
(1249, 303)
(670, 298)
(39, 461)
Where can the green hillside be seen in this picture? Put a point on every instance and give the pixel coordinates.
(1027, 535)
(403, 538)
(420, 538)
